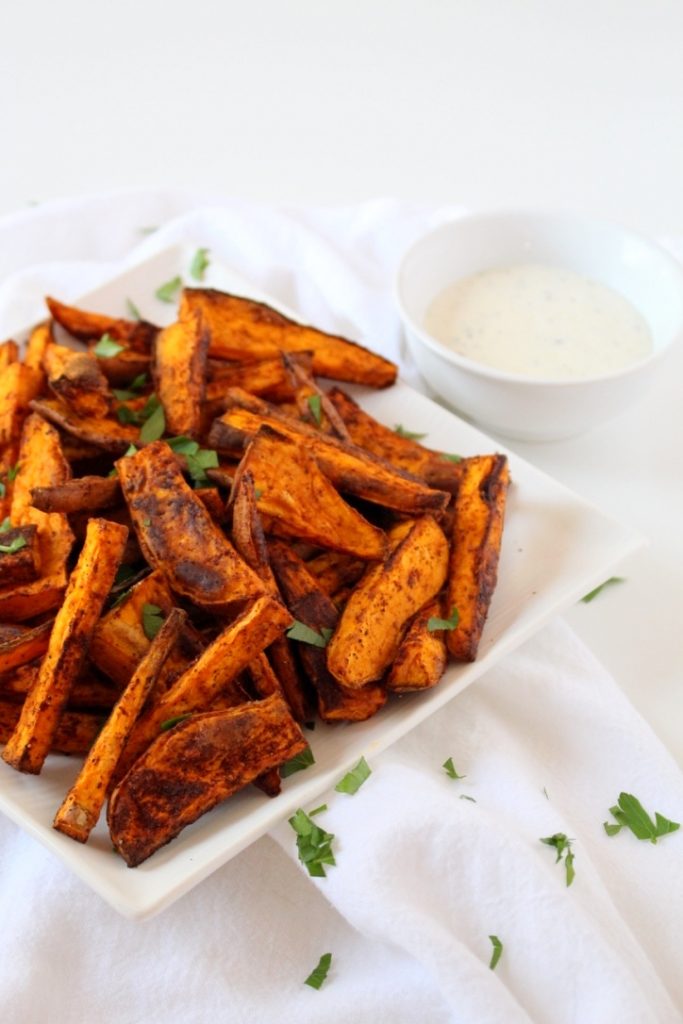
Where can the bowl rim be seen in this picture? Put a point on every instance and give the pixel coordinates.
(548, 216)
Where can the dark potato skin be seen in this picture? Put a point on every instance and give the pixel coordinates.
(83, 494)
(107, 434)
(247, 331)
(135, 334)
(178, 535)
(77, 379)
(194, 766)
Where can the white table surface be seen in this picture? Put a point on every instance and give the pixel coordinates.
(480, 103)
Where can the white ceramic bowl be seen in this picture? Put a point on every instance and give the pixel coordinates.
(527, 408)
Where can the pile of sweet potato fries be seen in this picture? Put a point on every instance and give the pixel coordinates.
(202, 549)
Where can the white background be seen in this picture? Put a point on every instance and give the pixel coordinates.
(480, 103)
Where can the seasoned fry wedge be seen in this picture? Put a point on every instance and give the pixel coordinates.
(19, 555)
(371, 626)
(24, 648)
(107, 434)
(85, 494)
(75, 733)
(475, 549)
(194, 766)
(437, 469)
(41, 463)
(269, 378)
(78, 813)
(333, 570)
(9, 353)
(76, 378)
(422, 654)
(38, 341)
(179, 370)
(119, 641)
(124, 367)
(214, 673)
(137, 334)
(177, 534)
(19, 385)
(246, 331)
(88, 693)
(294, 493)
(348, 467)
(88, 587)
(314, 608)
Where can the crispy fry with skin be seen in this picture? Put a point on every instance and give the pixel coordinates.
(38, 341)
(137, 334)
(220, 752)
(422, 655)
(22, 564)
(81, 807)
(179, 371)
(76, 379)
(293, 491)
(246, 331)
(475, 549)
(24, 648)
(369, 632)
(348, 467)
(88, 587)
(249, 539)
(314, 608)
(75, 733)
(84, 494)
(107, 434)
(19, 385)
(178, 535)
(214, 673)
(435, 468)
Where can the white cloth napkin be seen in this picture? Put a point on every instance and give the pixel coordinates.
(546, 741)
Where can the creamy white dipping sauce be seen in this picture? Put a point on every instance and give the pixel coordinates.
(539, 321)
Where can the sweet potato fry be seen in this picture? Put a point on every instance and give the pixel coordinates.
(475, 549)
(19, 555)
(333, 570)
(439, 470)
(9, 353)
(348, 467)
(293, 492)
(84, 494)
(177, 534)
(88, 587)
(88, 693)
(194, 766)
(38, 341)
(106, 434)
(269, 378)
(124, 367)
(137, 334)
(310, 606)
(246, 331)
(76, 378)
(19, 385)
(179, 370)
(422, 654)
(21, 649)
(371, 626)
(78, 813)
(75, 732)
(214, 673)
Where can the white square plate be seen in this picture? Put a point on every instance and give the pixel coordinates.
(555, 549)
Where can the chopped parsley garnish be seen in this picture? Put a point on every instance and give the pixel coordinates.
(408, 434)
(106, 347)
(451, 458)
(450, 771)
(314, 844)
(319, 973)
(130, 450)
(199, 264)
(305, 635)
(168, 291)
(630, 813)
(197, 459)
(587, 598)
(354, 779)
(5, 525)
(434, 623)
(562, 846)
(464, 796)
(13, 472)
(315, 405)
(497, 951)
(133, 310)
(155, 420)
(152, 620)
(170, 722)
(298, 763)
(133, 389)
(14, 545)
